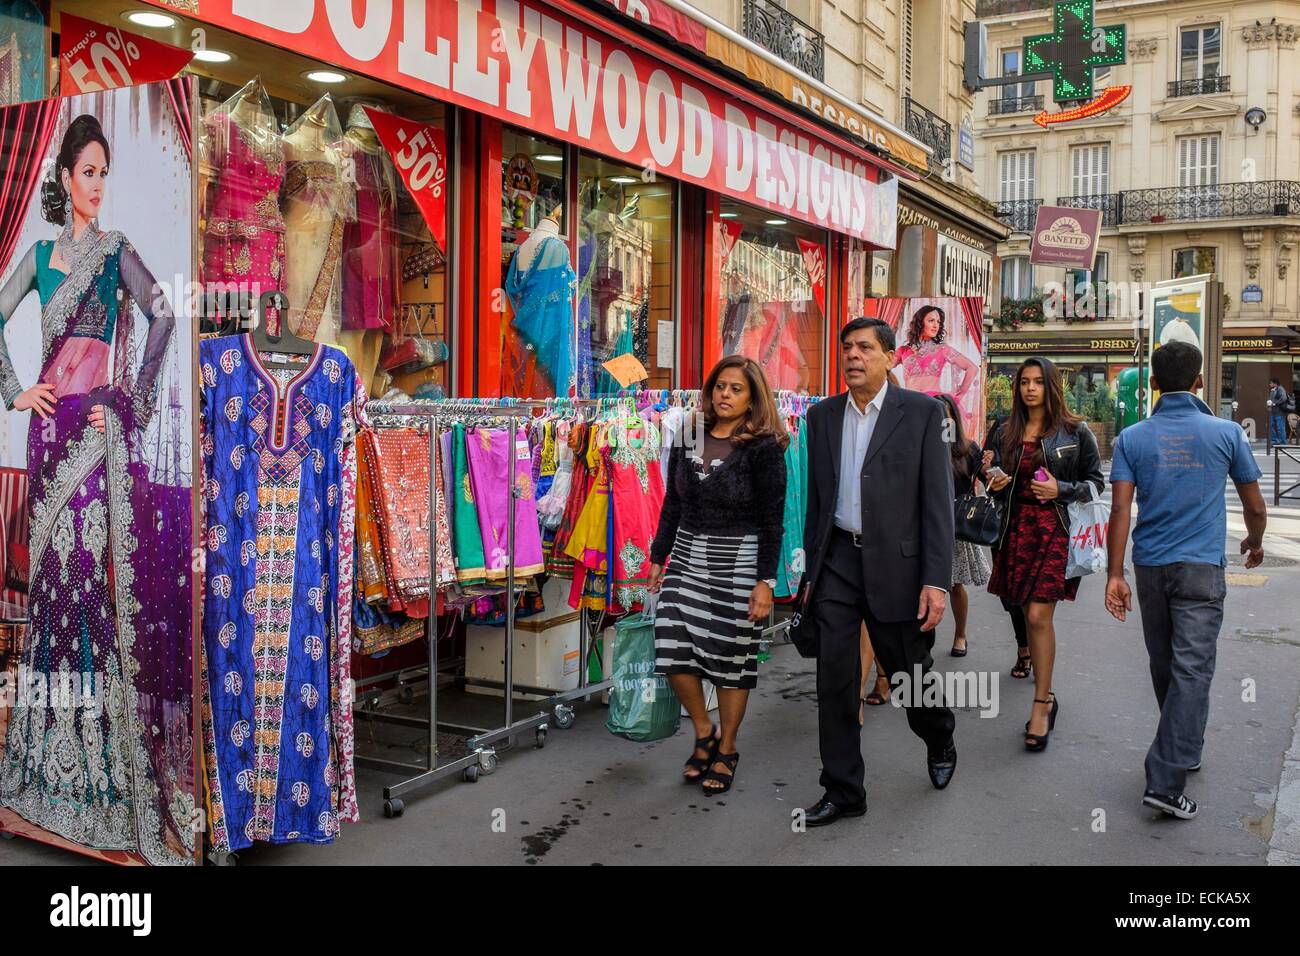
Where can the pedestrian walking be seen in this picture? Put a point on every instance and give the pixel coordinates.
(1044, 457)
(970, 562)
(878, 539)
(720, 533)
(1278, 400)
(1176, 463)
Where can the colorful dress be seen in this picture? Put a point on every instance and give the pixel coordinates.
(490, 451)
(109, 580)
(243, 242)
(637, 490)
(589, 544)
(279, 472)
(789, 570)
(1030, 565)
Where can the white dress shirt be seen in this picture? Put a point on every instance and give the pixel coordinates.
(859, 425)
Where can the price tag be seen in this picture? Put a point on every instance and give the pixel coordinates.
(419, 152)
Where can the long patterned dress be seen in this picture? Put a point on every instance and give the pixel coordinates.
(108, 765)
(280, 482)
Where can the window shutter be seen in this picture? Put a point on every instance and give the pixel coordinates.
(907, 48)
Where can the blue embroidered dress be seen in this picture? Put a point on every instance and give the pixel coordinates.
(280, 473)
(541, 296)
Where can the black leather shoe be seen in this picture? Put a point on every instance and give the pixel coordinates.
(825, 813)
(942, 765)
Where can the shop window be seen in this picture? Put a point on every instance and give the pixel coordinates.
(770, 306)
(1017, 278)
(300, 196)
(625, 273)
(537, 327)
(1194, 261)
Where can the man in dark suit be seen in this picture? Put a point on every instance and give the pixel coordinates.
(878, 542)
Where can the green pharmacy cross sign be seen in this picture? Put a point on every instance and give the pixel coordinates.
(1073, 50)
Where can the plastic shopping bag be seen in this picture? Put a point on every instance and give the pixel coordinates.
(1089, 521)
(642, 707)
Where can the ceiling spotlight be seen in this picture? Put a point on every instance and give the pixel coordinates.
(624, 180)
(325, 76)
(213, 56)
(729, 215)
(775, 222)
(549, 158)
(147, 18)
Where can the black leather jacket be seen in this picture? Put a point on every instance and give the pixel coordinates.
(1072, 458)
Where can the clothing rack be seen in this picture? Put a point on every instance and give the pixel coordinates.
(481, 755)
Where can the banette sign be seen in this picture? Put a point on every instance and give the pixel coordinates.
(1065, 236)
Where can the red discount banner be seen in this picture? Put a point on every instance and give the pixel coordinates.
(419, 152)
(97, 57)
(814, 260)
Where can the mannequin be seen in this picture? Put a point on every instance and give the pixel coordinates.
(541, 285)
(243, 242)
(318, 203)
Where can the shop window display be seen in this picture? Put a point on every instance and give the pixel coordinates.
(539, 355)
(771, 304)
(625, 274)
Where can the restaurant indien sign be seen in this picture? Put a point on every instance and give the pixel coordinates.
(529, 64)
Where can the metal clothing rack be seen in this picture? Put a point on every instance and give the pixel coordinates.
(481, 756)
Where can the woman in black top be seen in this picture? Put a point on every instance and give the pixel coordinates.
(970, 562)
(722, 524)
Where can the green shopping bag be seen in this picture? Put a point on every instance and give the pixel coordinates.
(642, 707)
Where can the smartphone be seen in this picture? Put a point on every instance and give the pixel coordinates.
(996, 472)
(1041, 474)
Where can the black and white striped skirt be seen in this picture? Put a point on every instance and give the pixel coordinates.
(702, 622)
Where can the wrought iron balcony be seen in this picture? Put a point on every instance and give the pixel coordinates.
(1273, 197)
(786, 35)
(993, 8)
(1019, 214)
(1108, 203)
(929, 128)
(1015, 104)
(1200, 87)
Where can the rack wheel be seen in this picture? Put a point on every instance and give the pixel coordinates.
(394, 808)
(564, 716)
(223, 858)
(487, 761)
(471, 775)
(541, 737)
(408, 694)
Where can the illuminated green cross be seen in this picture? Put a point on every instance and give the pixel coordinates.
(1074, 50)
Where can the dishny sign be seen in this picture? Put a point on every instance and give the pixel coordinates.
(553, 75)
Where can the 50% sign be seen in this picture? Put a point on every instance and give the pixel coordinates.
(419, 152)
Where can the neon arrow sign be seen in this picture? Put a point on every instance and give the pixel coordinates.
(1110, 98)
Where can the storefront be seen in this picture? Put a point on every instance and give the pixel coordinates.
(698, 218)
(1250, 358)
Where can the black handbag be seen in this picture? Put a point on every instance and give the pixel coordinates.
(977, 518)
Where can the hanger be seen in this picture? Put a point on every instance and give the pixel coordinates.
(286, 341)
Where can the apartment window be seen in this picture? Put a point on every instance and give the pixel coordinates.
(1017, 278)
(1016, 175)
(1011, 67)
(1090, 170)
(1193, 261)
(1079, 282)
(1199, 53)
(1198, 160)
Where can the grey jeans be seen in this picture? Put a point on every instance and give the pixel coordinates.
(1182, 611)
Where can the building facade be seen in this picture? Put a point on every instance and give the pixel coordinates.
(1197, 171)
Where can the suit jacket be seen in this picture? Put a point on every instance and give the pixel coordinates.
(907, 512)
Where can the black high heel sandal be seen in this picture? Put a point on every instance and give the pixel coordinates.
(702, 764)
(726, 779)
(1036, 743)
(1022, 667)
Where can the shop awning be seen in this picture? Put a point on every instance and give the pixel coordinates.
(541, 65)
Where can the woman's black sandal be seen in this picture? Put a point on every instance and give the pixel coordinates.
(701, 765)
(1022, 666)
(726, 779)
(1036, 743)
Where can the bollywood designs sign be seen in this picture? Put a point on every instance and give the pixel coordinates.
(529, 65)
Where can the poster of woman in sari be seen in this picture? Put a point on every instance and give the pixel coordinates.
(97, 749)
(940, 349)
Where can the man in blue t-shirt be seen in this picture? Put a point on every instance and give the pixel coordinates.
(1177, 461)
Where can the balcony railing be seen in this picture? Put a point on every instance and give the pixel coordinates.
(786, 35)
(1108, 203)
(993, 8)
(1015, 104)
(929, 128)
(1200, 87)
(1274, 197)
(1019, 214)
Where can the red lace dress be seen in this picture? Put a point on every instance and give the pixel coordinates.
(1030, 565)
